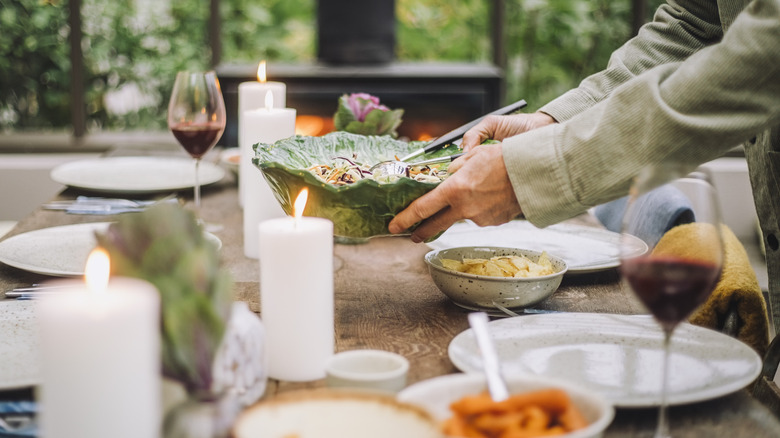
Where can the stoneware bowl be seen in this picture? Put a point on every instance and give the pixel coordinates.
(435, 396)
(482, 292)
(332, 413)
(367, 369)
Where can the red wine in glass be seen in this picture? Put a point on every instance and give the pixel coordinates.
(671, 277)
(197, 138)
(196, 116)
(670, 287)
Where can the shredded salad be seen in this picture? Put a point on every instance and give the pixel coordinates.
(343, 170)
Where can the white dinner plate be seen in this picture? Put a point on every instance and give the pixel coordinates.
(620, 356)
(125, 175)
(57, 251)
(230, 158)
(585, 249)
(19, 345)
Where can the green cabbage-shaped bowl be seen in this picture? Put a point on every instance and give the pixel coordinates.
(359, 210)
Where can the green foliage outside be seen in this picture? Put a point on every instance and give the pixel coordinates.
(132, 51)
(276, 30)
(133, 48)
(34, 64)
(554, 44)
(443, 30)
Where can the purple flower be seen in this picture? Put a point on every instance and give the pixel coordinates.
(363, 103)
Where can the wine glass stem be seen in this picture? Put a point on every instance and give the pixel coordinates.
(197, 187)
(662, 430)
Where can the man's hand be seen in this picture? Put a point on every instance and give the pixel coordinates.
(501, 127)
(478, 188)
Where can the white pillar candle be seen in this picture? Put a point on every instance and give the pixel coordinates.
(251, 96)
(101, 360)
(264, 125)
(296, 296)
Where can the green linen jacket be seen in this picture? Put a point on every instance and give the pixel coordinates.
(700, 79)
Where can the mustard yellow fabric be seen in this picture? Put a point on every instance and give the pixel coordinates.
(737, 291)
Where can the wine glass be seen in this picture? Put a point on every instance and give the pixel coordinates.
(196, 116)
(678, 272)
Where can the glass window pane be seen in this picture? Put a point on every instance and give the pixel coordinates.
(132, 51)
(553, 44)
(34, 65)
(443, 30)
(281, 30)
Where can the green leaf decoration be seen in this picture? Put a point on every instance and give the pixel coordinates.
(166, 246)
(377, 122)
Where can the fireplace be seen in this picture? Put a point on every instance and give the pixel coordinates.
(355, 53)
(436, 97)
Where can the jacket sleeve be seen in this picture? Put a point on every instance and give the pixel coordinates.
(690, 112)
(679, 29)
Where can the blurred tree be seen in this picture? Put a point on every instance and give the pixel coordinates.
(34, 64)
(443, 30)
(132, 51)
(553, 44)
(281, 30)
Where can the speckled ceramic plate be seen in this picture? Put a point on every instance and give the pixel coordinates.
(57, 251)
(19, 345)
(125, 175)
(617, 355)
(585, 249)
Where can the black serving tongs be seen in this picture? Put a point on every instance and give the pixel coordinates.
(457, 133)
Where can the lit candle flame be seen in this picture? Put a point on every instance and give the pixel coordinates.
(261, 71)
(300, 205)
(269, 100)
(97, 271)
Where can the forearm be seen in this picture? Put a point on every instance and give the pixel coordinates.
(691, 112)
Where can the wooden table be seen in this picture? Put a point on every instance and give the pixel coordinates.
(385, 299)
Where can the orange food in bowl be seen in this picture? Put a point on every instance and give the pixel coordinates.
(544, 412)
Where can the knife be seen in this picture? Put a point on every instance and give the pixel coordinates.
(458, 132)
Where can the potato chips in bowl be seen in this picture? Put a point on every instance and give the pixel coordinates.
(503, 266)
(488, 278)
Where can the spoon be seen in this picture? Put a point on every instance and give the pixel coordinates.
(401, 168)
(459, 131)
(496, 385)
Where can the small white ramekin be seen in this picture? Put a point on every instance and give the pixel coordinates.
(367, 369)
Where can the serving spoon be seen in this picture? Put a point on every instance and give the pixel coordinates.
(401, 168)
(458, 132)
(495, 381)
